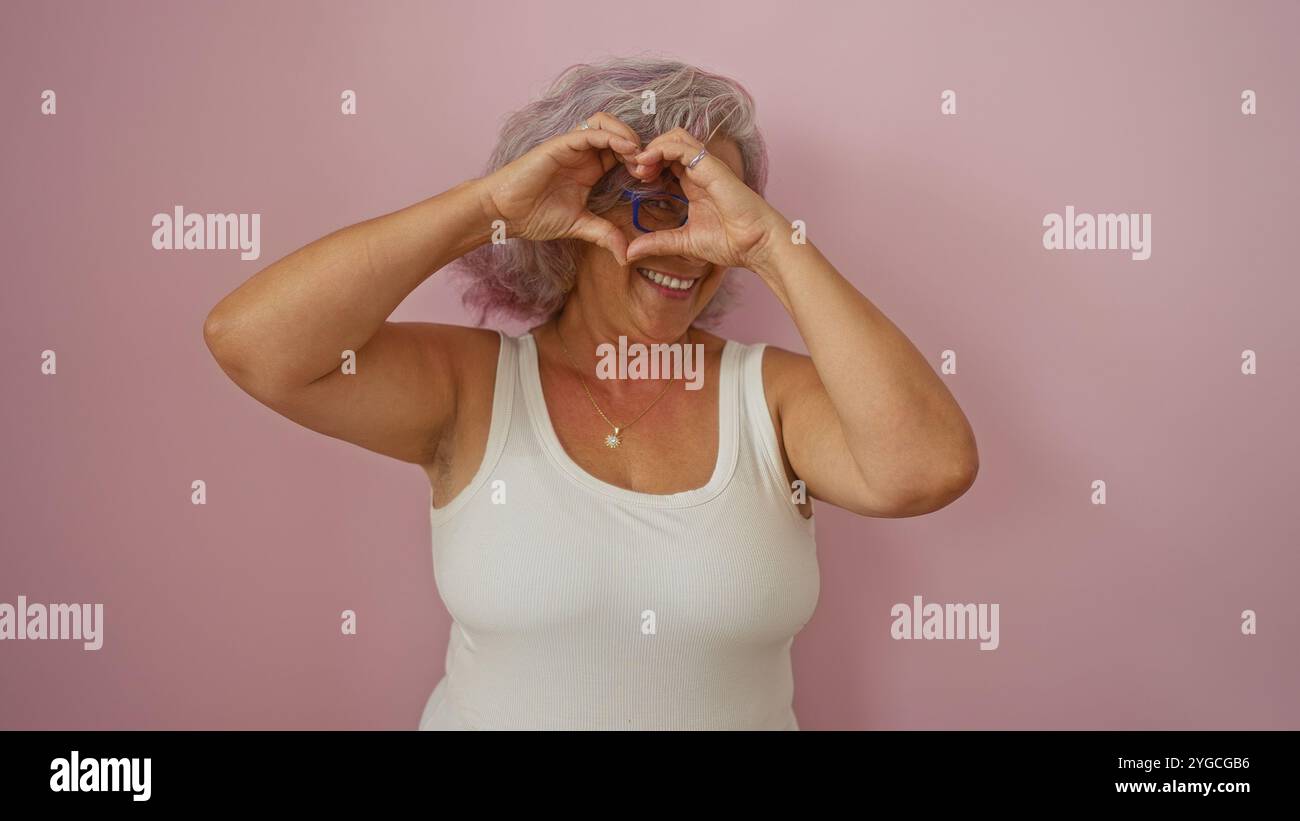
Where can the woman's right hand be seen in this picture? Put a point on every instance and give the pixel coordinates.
(542, 195)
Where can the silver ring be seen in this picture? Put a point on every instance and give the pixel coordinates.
(696, 161)
(585, 125)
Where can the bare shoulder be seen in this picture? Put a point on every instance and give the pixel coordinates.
(467, 354)
(786, 374)
(460, 338)
(787, 377)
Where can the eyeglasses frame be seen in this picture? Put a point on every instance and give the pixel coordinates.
(637, 198)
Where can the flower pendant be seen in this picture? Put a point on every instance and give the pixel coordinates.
(612, 440)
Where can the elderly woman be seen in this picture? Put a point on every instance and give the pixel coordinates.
(616, 553)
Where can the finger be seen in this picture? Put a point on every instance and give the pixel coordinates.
(623, 148)
(651, 162)
(650, 169)
(667, 151)
(654, 170)
(586, 139)
(644, 172)
(601, 232)
(606, 145)
(608, 122)
(679, 155)
(677, 135)
(653, 152)
(659, 244)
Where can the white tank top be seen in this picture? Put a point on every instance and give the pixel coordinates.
(581, 605)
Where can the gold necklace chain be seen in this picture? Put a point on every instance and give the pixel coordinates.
(612, 440)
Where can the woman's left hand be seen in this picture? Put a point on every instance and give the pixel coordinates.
(727, 222)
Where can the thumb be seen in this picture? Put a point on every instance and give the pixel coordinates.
(659, 244)
(601, 232)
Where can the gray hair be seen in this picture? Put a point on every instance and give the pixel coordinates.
(528, 279)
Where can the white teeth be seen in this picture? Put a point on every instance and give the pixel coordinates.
(666, 281)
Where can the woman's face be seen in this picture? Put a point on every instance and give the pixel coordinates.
(628, 298)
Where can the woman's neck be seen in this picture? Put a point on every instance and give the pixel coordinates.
(578, 332)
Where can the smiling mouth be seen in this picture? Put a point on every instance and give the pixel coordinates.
(667, 280)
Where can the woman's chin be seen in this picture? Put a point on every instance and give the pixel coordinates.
(667, 305)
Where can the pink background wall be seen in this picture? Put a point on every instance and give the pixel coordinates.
(1072, 366)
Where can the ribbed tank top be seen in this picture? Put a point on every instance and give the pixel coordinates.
(581, 605)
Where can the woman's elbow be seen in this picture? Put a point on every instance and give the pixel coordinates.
(217, 336)
(938, 491)
(229, 347)
(953, 484)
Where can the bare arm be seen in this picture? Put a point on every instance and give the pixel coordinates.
(281, 335)
(865, 422)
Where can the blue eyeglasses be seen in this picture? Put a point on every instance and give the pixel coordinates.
(657, 211)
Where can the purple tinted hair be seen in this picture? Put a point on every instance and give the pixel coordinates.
(527, 279)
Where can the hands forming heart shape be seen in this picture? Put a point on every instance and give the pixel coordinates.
(542, 195)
